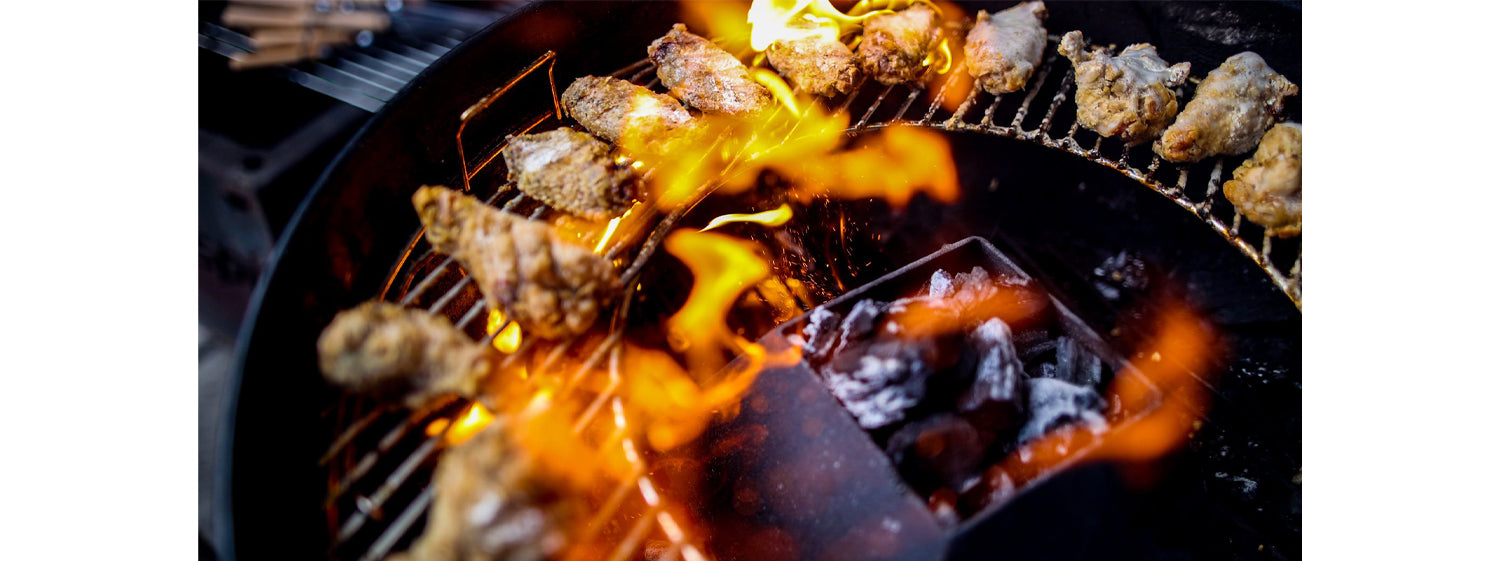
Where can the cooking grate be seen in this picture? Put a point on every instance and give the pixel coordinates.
(370, 72)
(382, 461)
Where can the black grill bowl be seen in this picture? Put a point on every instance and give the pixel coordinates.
(1057, 214)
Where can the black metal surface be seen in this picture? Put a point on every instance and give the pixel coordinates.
(1058, 215)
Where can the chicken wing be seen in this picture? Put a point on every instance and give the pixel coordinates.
(896, 45)
(570, 171)
(552, 287)
(704, 75)
(399, 354)
(492, 503)
(1267, 188)
(1232, 108)
(1004, 49)
(1130, 95)
(816, 64)
(611, 108)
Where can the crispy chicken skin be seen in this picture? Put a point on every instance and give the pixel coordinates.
(895, 45)
(815, 64)
(1004, 49)
(1232, 108)
(611, 108)
(399, 354)
(552, 287)
(1130, 95)
(570, 171)
(492, 503)
(704, 75)
(1267, 188)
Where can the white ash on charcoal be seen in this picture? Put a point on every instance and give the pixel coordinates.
(1055, 404)
(995, 398)
(947, 406)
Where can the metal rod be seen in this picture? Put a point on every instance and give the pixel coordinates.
(1026, 102)
(400, 525)
(873, 106)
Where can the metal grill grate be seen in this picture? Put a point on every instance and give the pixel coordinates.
(393, 470)
(370, 72)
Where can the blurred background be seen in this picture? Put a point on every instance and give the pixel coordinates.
(283, 85)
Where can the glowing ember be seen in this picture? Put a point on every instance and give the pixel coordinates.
(775, 217)
(508, 340)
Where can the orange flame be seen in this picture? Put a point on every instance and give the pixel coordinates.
(467, 424)
(722, 268)
(1154, 423)
(774, 217)
(507, 341)
(926, 317)
(895, 165)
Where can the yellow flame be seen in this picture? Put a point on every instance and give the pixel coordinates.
(897, 163)
(943, 56)
(787, 20)
(470, 422)
(779, 88)
(774, 217)
(507, 341)
(722, 268)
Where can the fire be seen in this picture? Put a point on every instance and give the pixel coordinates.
(467, 424)
(601, 235)
(508, 340)
(787, 20)
(940, 60)
(722, 268)
(896, 164)
(1161, 423)
(926, 317)
(774, 217)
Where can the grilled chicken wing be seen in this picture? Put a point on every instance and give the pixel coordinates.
(1267, 188)
(1129, 95)
(552, 287)
(492, 503)
(704, 75)
(1002, 50)
(611, 108)
(570, 171)
(394, 353)
(895, 45)
(1232, 108)
(816, 64)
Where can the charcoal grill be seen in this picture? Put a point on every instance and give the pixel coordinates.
(369, 484)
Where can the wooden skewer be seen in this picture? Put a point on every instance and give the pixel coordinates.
(244, 16)
(267, 37)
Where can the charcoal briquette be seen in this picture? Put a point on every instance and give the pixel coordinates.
(1054, 403)
(940, 451)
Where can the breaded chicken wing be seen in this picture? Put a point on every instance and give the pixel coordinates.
(1004, 49)
(572, 172)
(399, 354)
(1267, 188)
(816, 64)
(1130, 95)
(551, 286)
(611, 108)
(1232, 108)
(704, 75)
(492, 503)
(896, 44)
